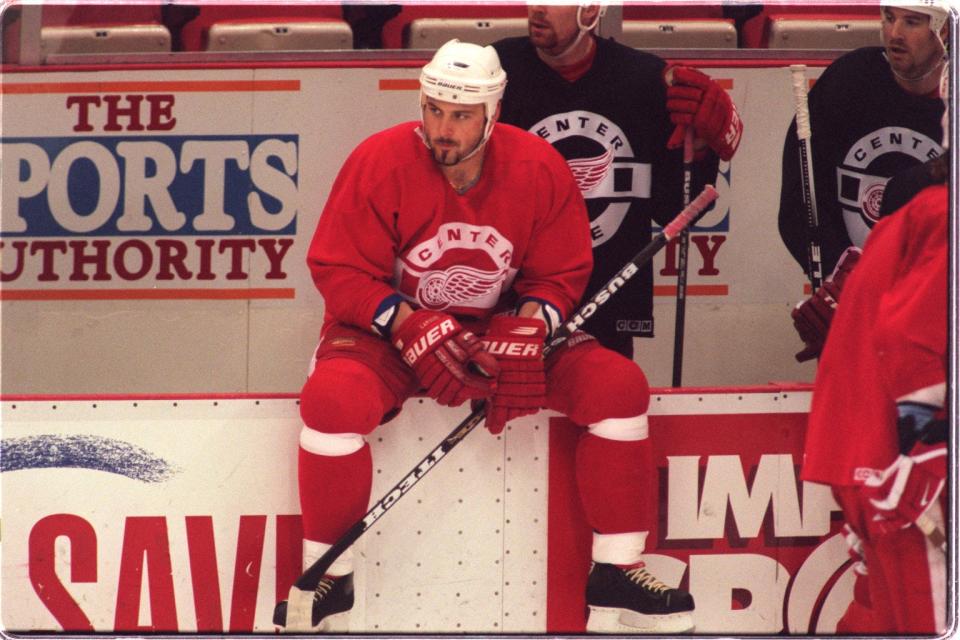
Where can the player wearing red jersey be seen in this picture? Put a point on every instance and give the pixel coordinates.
(877, 432)
(447, 251)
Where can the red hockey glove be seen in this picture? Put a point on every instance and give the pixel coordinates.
(812, 317)
(693, 99)
(448, 360)
(906, 489)
(517, 344)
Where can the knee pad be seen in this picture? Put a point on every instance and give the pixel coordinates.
(343, 396)
(622, 429)
(330, 444)
(600, 384)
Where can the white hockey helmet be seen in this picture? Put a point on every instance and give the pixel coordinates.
(466, 73)
(937, 10)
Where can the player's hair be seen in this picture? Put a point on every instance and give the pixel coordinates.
(937, 10)
(939, 168)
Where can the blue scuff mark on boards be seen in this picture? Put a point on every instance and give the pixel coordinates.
(96, 453)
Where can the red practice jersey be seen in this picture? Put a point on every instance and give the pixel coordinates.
(888, 338)
(394, 224)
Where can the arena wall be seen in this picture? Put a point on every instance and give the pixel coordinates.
(155, 222)
(154, 227)
(138, 514)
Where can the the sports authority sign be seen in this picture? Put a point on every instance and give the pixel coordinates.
(128, 192)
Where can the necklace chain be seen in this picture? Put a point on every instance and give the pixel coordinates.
(463, 189)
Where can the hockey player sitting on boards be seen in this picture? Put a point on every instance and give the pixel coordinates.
(447, 252)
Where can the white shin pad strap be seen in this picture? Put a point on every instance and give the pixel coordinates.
(330, 444)
(623, 429)
(312, 550)
(618, 548)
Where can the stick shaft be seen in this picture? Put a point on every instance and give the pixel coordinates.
(934, 533)
(684, 249)
(313, 573)
(798, 78)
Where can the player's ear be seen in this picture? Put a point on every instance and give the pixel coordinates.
(496, 114)
(589, 13)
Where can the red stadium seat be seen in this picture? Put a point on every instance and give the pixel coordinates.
(10, 36)
(757, 31)
(94, 28)
(418, 26)
(99, 15)
(672, 11)
(679, 33)
(397, 30)
(196, 33)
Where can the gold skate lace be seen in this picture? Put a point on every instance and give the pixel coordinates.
(642, 577)
(323, 588)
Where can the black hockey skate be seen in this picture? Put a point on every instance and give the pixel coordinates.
(328, 605)
(634, 601)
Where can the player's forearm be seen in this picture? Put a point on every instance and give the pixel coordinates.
(404, 311)
(351, 296)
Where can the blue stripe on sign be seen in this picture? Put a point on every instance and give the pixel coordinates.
(84, 452)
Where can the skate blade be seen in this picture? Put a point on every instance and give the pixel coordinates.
(613, 620)
(336, 623)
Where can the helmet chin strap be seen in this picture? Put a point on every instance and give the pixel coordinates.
(480, 145)
(919, 78)
(476, 148)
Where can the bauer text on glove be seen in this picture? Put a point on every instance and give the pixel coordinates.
(517, 344)
(448, 360)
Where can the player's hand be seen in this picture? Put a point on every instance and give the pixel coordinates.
(448, 360)
(517, 344)
(812, 317)
(694, 100)
(919, 421)
(906, 489)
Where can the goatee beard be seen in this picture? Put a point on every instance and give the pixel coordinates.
(445, 157)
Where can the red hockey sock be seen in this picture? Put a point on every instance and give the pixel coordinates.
(334, 492)
(614, 481)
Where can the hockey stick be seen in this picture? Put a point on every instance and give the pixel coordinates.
(682, 263)
(934, 534)
(301, 593)
(814, 267)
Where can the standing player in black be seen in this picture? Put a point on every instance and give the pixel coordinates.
(874, 112)
(609, 111)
